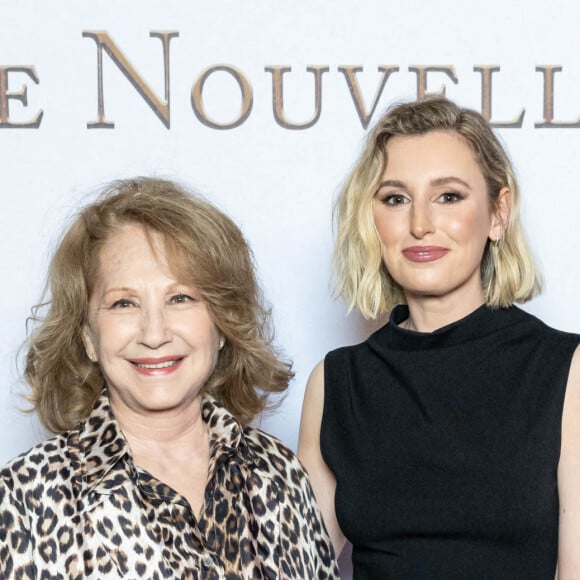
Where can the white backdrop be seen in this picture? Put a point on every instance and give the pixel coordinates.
(276, 181)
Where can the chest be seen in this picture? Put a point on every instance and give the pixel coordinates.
(129, 533)
(469, 450)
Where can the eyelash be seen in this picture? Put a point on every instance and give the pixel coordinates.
(448, 197)
(453, 194)
(181, 299)
(123, 303)
(390, 199)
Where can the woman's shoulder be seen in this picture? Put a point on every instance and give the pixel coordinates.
(45, 461)
(532, 324)
(351, 351)
(272, 460)
(271, 455)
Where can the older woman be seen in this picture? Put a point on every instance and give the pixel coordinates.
(446, 446)
(149, 361)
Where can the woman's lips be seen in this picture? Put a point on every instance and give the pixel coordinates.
(424, 253)
(156, 366)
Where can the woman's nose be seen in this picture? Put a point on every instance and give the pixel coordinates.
(421, 220)
(155, 330)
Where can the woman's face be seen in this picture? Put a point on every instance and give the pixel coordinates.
(432, 214)
(151, 334)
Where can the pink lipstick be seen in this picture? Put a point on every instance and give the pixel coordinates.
(424, 253)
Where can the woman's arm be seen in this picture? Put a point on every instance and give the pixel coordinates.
(15, 544)
(321, 478)
(569, 478)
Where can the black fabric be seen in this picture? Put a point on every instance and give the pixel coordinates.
(445, 447)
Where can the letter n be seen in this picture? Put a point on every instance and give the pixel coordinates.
(105, 43)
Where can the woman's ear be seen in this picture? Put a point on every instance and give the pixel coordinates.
(501, 215)
(89, 344)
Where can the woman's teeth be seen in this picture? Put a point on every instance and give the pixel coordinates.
(161, 365)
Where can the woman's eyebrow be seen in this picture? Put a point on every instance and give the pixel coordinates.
(435, 182)
(450, 179)
(391, 183)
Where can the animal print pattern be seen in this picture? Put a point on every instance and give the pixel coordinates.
(77, 507)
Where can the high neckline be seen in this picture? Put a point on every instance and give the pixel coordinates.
(475, 325)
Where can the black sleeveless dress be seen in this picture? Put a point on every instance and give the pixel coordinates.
(445, 447)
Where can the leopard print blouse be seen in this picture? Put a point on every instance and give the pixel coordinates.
(77, 507)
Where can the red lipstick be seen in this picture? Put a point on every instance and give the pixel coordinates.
(156, 366)
(424, 253)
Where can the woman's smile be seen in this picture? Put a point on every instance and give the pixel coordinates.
(157, 366)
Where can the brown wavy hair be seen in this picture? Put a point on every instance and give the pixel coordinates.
(508, 272)
(205, 248)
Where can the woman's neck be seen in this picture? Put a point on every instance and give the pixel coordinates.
(428, 313)
(173, 447)
(179, 432)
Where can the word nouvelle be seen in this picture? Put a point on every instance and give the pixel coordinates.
(244, 92)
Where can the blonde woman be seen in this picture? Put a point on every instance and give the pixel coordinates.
(447, 445)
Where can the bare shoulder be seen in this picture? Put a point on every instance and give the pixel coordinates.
(316, 379)
(574, 377)
(568, 477)
(571, 412)
(322, 478)
(312, 408)
(315, 384)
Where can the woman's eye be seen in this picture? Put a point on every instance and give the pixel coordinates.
(450, 197)
(181, 299)
(395, 199)
(122, 303)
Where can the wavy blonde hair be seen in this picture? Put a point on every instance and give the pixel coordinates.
(205, 248)
(508, 272)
